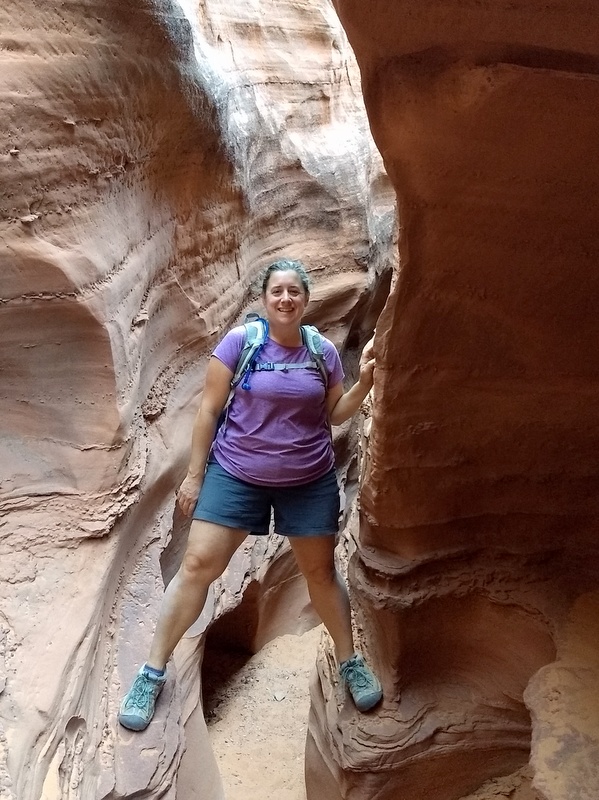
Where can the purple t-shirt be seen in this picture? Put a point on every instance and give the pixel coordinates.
(277, 431)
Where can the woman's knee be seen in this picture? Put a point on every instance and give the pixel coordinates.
(321, 575)
(202, 566)
(209, 550)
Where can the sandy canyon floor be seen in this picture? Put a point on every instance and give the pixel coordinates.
(257, 719)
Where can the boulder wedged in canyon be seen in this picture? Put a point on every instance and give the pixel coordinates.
(476, 568)
(155, 156)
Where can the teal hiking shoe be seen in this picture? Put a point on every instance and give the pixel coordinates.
(363, 685)
(137, 708)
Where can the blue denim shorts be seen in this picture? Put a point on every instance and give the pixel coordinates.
(311, 509)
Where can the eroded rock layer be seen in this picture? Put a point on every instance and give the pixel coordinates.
(154, 157)
(477, 560)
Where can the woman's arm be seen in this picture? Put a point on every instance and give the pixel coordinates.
(341, 406)
(214, 397)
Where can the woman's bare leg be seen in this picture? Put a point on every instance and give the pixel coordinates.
(209, 550)
(315, 556)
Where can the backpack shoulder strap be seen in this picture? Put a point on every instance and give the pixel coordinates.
(312, 339)
(256, 334)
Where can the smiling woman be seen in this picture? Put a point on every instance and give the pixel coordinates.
(274, 456)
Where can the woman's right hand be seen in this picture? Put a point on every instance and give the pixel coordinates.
(188, 493)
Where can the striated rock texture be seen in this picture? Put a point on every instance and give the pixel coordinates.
(153, 157)
(476, 573)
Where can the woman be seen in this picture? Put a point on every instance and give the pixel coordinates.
(274, 451)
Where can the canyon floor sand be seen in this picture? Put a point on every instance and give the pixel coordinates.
(257, 719)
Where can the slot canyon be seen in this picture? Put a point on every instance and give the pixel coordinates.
(432, 165)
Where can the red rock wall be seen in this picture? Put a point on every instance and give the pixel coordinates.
(154, 157)
(476, 577)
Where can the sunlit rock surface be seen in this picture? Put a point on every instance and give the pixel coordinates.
(476, 574)
(154, 156)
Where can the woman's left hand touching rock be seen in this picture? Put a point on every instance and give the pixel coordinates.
(367, 364)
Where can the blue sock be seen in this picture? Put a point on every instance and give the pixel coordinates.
(152, 672)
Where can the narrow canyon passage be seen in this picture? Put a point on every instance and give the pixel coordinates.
(433, 163)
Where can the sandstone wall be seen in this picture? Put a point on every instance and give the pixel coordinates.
(476, 576)
(153, 157)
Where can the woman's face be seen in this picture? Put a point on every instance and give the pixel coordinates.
(285, 298)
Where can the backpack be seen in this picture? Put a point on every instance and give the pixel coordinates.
(256, 335)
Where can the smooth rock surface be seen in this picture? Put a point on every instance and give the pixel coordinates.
(477, 547)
